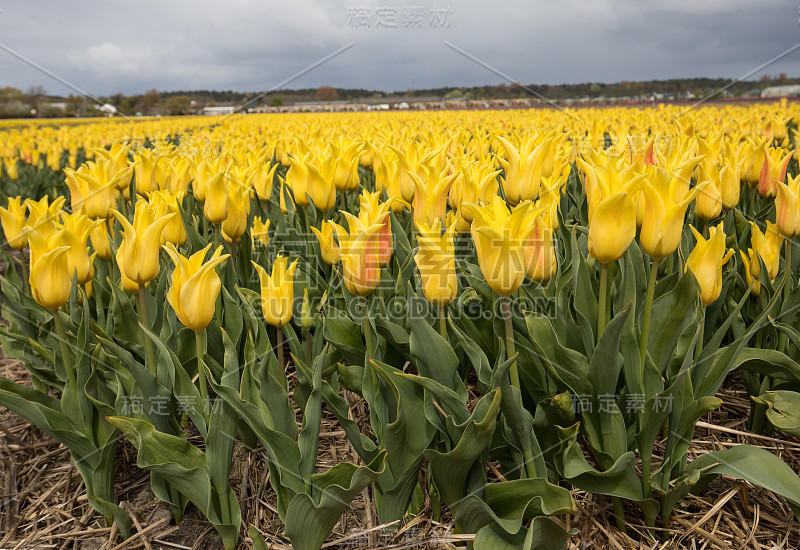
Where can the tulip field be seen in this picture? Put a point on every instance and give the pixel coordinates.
(526, 304)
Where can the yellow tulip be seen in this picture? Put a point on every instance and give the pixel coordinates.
(215, 207)
(167, 202)
(666, 199)
(137, 255)
(430, 195)
(524, 167)
(499, 241)
(43, 215)
(730, 186)
(372, 210)
(436, 262)
(145, 167)
(773, 170)
(261, 180)
(277, 291)
(93, 188)
(359, 255)
(706, 261)
(100, 240)
(328, 246)
(477, 184)
(235, 224)
(612, 228)
(708, 204)
(787, 209)
(51, 278)
(75, 231)
(752, 270)
(11, 166)
(768, 246)
(321, 186)
(260, 231)
(13, 222)
(299, 181)
(540, 253)
(195, 286)
(345, 174)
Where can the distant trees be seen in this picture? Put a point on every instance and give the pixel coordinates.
(327, 93)
(178, 105)
(277, 102)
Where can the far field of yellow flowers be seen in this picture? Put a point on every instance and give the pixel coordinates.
(560, 293)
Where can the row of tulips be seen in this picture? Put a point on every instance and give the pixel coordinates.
(496, 296)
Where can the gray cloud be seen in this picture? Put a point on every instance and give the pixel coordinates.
(129, 47)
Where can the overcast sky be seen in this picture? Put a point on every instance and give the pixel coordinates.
(132, 46)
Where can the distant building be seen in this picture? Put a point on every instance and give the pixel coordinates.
(219, 110)
(108, 109)
(789, 90)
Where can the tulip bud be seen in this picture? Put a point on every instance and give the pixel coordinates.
(51, 278)
(277, 291)
(706, 261)
(306, 315)
(13, 222)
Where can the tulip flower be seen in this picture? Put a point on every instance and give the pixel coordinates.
(75, 231)
(359, 255)
(524, 167)
(666, 199)
(167, 202)
(195, 286)
(43, 215)
(13, 222)
(277, 291)
(328, 246)
(477, 184)
(706, 261)
(612, 228)
(100, 240)
(145, 167)
(372, 210)
(260, 231)
(540, 253)
(235, 224)
(730, 186)
(11, 168)
(137, 255)
(117, 159)
(752, 270)
(345, 171)
(299, 181)
(262, 178)
(321, 188)
(787, 209)
(430, 195)
(768, 246)
(215, 206)
(708, 204)
(773, 170)
(499, 240)
(93, 188)
(51, 278)
(436, 262)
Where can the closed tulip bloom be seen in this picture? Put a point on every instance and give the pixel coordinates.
(299, 181)
(215, 207)
(14, 224)
(773, 170)
(100, 241)
(666, 199)
(51, 278)
(708, 204)
(328, 246)
(706, 261)
(612, 228)
(93, 188)
(730, 186)
(260, 231)
(787, 211)
(262, 180)
(436, 262)
(145, 167)
(500, 238)
(277, 291)
(359, 255)
(43, 215)
(345, 171)
(768, 246)
(540, 252)
(372, 210)
(477, 184)
(195, 286)
(74, 233)
(167, 202)
(235, 224)
(321, 188)
(137, 255)
(752, 270)
(11, 168)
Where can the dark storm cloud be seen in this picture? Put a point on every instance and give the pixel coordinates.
(130, 47)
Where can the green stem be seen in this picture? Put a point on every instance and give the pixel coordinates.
(365, 328)
(62, 340)
(141, 302)
(782, 343)
(513, 373)
(201, 371)
(619, 514)
(309, 234)
(308, 347)
(443, 321)
(648, 309)
(279, 345)
(602, 304)
(699, 348)
(217, 235)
